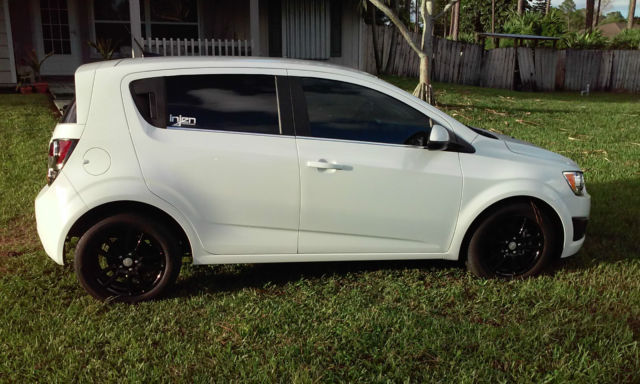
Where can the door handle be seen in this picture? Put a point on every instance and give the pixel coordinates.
(324, 164)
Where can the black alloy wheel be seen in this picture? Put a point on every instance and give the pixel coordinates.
(127, 258)
(513, 241)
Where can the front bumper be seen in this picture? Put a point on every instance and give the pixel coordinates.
(575, 228)
(56, 207)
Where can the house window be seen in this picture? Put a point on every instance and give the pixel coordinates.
(111, 21)
(55, 27)
(169, 19)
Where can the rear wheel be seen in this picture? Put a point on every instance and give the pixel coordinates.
(513, 241)
(127, 257)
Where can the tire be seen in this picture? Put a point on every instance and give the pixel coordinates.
(513, 241)
(128, 258)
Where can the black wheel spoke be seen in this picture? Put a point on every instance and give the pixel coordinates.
(134, 262)
(513, 245)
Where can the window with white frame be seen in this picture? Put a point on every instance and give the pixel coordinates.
(159, 18)
(169, 19)
(111, 22)
(55, 27)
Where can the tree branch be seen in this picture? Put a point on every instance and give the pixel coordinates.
(398, 23)
(445, 9)
(424, 13)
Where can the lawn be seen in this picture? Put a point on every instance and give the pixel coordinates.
(357, 322)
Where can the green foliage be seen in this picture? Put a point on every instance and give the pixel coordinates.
(627, 39)
(567, 6)
(33, 61)
(538, 6)
(105, 47)
(586, 40)
(345, 322)
(574, 19)
(613, 17)
(475, 15)
(466, 37)
(535, 23)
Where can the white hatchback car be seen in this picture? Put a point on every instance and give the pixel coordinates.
(261, 160)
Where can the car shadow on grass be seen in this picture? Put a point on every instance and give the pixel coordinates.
(231, 278)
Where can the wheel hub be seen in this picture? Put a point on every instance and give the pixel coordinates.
(512, 246)
(127, 262)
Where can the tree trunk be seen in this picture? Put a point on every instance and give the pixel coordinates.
(589, 15)
(374, 37)
(455, 21)
(493, 22)
(632, 11)
(520, 7)
(424, 91)
(596, 19)
(547, 7)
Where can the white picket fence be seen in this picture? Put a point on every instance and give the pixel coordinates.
(197, 47)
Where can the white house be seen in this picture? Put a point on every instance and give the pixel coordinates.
(328, 30)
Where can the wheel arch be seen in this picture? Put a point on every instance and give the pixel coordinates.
(95, 214)
(541, 204)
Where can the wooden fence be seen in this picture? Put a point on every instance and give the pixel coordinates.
(535, 69)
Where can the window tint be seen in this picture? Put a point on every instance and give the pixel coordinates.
(339, 110)
(240, 103)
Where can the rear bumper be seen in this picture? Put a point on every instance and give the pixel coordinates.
(55, 207)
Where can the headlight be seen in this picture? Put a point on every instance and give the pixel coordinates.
(575, 179)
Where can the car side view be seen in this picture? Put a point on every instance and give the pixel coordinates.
(256, 160)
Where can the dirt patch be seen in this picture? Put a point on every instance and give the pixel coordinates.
(18, 237)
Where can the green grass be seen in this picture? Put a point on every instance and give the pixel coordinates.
(359, 322)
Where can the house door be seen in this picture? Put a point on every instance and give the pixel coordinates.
(56, 31)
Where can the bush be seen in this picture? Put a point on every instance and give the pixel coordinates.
(586, 40)
(627, 39)
(535, 23)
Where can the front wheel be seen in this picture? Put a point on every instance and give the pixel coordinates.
(516, 240)
(127, 257)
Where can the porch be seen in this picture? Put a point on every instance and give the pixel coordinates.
(327, 30)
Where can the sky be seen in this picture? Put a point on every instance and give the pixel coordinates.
(616, 5)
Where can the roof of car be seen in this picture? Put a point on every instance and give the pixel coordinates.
(168, 62)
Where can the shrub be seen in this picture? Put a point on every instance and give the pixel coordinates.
(535, 23)
(627, 39)
(586, 40)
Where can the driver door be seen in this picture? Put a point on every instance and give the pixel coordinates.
(367, 183)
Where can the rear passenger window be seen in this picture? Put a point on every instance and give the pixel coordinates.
(238, 103)
(339, 110)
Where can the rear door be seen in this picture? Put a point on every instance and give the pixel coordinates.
(367, 183)
(218, 148)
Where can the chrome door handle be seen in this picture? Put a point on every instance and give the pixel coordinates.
(324, 164)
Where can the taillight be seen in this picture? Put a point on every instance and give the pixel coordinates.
(59, 152)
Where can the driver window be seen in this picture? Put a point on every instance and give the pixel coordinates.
(339, 110)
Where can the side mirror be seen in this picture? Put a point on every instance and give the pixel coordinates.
(438, 138)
